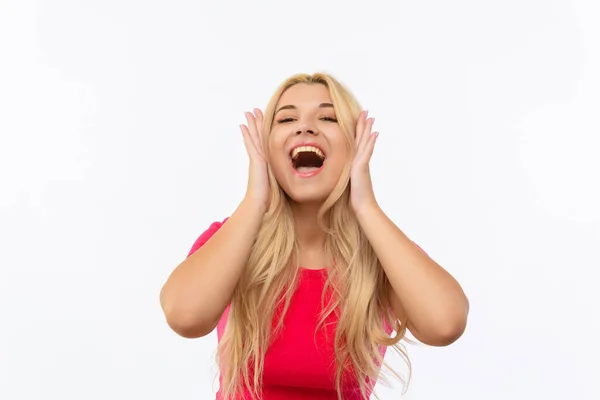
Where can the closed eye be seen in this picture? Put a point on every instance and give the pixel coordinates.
(288, 119)
(284, 120)
(329, 119)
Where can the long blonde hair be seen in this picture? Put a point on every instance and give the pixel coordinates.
(358, 284)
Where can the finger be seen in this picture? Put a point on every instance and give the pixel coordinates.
(370, 146)
(258, 115)
(366, 133)
(252, 130)
(360, 126)
(364, 156)
(250, 147)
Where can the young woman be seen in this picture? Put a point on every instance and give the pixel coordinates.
(307, 281)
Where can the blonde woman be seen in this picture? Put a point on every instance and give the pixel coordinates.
(308, 281)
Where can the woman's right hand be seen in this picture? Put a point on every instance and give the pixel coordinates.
(258, 179)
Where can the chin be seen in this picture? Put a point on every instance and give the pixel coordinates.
(309, 189)
(305, 196)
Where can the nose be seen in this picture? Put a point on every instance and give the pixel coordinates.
(306, 128)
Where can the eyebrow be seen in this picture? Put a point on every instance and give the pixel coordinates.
(292, 107)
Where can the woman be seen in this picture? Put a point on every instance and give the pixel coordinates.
(308, 278)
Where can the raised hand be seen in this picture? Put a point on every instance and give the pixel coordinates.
(258, 178)
(361, 189)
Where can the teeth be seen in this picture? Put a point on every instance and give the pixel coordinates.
(307, 148)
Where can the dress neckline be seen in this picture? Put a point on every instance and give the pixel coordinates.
(321, 272)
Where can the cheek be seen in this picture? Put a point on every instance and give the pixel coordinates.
(277, 157)
(276, 140)
(342, 155)
(275, 146)
(337, 165)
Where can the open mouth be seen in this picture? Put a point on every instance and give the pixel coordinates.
(307, 159)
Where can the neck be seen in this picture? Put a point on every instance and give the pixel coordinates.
(310, 235)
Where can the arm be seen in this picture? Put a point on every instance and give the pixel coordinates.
(200, 288)
(422, 291)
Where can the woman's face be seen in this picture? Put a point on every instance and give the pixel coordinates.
(307, 149)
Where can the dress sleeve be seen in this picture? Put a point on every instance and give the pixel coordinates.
(207, 234)
(420, 248)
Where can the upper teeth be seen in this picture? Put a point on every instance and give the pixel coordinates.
(307, 148)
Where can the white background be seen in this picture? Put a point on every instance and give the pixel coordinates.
(120, 145)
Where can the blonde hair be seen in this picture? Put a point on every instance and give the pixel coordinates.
(358, 284)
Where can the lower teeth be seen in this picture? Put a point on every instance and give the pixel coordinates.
(306, 169)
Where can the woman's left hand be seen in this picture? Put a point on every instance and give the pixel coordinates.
(361, 187)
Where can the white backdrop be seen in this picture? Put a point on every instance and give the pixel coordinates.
(120, 145)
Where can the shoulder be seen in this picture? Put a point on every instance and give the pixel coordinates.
(206, 235)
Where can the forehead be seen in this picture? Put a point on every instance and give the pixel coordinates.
(305, 94)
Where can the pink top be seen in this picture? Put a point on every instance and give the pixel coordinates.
(298, 364)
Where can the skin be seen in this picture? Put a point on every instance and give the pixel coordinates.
(422, 293)
(305, 113)
(200, 288)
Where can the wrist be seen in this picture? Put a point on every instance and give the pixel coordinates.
(366, 210)
(253, 205)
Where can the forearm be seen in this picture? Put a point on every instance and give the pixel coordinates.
(432, 300)
(200, 288)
